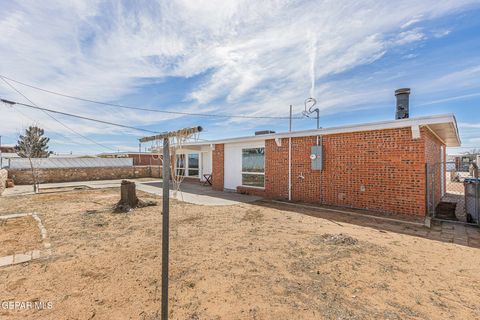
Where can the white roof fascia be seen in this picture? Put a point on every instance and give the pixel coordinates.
(383, 125)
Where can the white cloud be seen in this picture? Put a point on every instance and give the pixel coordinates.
(255, 53)
(464, 125)
(409, 36)
(441, 33)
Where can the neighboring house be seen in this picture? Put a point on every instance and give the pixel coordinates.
(139, 158)
(6, 153)
(70, 155)
(462, 161)
(8, 149)
(377, 166)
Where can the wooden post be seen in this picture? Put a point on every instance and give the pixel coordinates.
(128, 194)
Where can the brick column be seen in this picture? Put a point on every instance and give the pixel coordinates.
(218, 156)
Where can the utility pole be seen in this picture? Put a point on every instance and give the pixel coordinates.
(290, 122)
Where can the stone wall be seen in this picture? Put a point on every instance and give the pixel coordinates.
(3, 180)
(22, 176)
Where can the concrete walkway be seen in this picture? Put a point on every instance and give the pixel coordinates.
(194, 193)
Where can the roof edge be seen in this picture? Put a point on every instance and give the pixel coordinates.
(380, 125)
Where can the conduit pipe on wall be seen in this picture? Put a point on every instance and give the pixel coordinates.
(290, 157)
(321, 174)
(290, 169)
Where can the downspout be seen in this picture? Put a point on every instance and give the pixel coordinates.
(321, 171)
(290, 169)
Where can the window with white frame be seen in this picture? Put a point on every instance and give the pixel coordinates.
(253, 167)
(180, 165)
(187, 165)
(193, 164)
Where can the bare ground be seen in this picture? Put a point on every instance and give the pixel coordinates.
(249, 261)
(19, 235)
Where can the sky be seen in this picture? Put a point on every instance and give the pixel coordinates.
(234, 58)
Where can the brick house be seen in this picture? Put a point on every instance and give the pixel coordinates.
(377, 166)
(139, 158)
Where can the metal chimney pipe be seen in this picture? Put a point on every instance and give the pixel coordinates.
(402, 110)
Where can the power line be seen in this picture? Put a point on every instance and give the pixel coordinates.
(33, 121)
(56, 133)
(75, 115)
(58, 121)
(147, 109)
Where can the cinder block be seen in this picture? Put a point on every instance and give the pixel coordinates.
(6, 261)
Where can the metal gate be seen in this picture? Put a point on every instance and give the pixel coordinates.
(452, 193)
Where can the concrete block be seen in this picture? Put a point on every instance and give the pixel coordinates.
(36, 254)
(6, 261)
(22, 257)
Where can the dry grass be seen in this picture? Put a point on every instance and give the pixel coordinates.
(236, 262)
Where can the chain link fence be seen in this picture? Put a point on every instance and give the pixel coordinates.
(453, 193)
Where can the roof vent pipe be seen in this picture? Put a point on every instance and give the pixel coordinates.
(402, 95)
(258, 133)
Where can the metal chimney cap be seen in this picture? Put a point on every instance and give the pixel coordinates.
(402, 91)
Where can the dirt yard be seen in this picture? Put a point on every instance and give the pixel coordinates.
(250, 261)
(19, 235)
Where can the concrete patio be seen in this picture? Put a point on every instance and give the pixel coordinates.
(190, 192)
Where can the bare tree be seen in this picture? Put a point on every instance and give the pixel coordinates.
(33, 145)
(473, 151)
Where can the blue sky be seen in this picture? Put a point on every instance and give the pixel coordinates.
(236, 57)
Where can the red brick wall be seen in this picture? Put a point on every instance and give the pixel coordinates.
(146, 159)
(433, 151)
(276, 169)
(370, 159)
(218, 157)
(381, 170)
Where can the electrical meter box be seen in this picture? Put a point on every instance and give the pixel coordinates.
(316, 156)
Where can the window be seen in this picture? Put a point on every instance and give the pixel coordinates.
(187, 165)
(253, 167)
(180, 165)
(193, 165)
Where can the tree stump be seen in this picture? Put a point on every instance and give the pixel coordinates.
(128, 198)
(128, 194)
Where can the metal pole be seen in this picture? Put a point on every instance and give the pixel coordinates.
(318, 118)
(477, 202)
(427, 193)
(433, 192)
(290, 120)
(165, 225)
(1, 159)
(290, 157)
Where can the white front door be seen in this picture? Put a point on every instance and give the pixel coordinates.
(206, 164)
